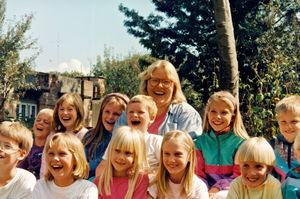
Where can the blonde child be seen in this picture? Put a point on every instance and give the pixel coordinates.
(223, 133)
(141, 112)
(291, 186)
(41, 130)
(68, 117)
(96, 140)
(175, 178)
(15, 143)
(67, 169)
(256, 160)
(288, 116)
(124, 171)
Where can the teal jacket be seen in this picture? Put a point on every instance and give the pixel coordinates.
(291, 186)
(215, 158)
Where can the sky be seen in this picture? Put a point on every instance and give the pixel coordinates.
(72, 33)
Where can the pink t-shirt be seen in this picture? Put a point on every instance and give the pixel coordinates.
(153, 128)
(120, 186)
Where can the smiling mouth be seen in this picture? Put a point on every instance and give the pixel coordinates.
(159, 93)
(57, 168)
(111, 123)
(39, 129)
(135, 122)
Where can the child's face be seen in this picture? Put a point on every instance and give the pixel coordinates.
(41, 126)
(254, 173)
(289, 125)
(138, 116)
(10, 153)
(60, 163)
(175, 159)
(121, 161)
(219, 115)
(67, 115)
(111, 113)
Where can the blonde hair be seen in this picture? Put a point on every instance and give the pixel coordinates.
(74, 145)
(46, 111)
(297, 141)
(291, 103)
(226, 97)
(171, 73)
(74, 100)
(97, 133)
(256, 149)
(19, 133)
(163, 175)
(125, 138)
(148, 101)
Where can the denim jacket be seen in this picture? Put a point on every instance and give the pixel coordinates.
(180, 116)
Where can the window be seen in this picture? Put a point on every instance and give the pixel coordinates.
(26, 110)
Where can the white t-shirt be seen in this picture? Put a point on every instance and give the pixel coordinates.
(153, 145)
(20, 187)
(80, 189)
(199, 190)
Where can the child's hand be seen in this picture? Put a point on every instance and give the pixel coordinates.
(100, 168)
(213, 191)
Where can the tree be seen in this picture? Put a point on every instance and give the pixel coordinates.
(121, 75)
(226, 42)
(13, 71)
(267, 43)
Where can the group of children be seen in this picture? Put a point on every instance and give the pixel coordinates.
(223, 162)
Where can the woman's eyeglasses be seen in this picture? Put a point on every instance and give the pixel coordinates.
(164, 82)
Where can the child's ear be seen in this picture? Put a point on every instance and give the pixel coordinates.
(269, 169)
(22, 155)
(152, 118)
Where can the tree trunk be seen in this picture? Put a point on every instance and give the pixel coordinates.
(229, 75)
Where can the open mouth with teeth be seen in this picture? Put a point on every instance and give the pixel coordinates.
(159, 93)
(66, 119)
(39, 129)
(135, 122)
(110, 123)
(57, 167)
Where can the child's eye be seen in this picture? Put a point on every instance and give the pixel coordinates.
(166, 153)
(178, 154)
(259, 166)
(295, 122)
(117, 150)
(128, 153)
(62, 153)
(7, 146)
(245, 166)
(50, 153)
(117, 114)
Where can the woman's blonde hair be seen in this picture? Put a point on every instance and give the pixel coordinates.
(171, 73)
(226, 97)
(163, 175)
(74, 145)
(97, 133)
(74, 100)
(256, 149)
(125, 139)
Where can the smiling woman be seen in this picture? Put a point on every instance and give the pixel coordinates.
(160, 81)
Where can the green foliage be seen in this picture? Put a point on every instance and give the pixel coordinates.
(121, 75)
(72, 74)
(13, 71)
(27, 121)
(267, 39)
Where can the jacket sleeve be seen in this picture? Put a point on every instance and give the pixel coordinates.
(189, 120)
(200, 166)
